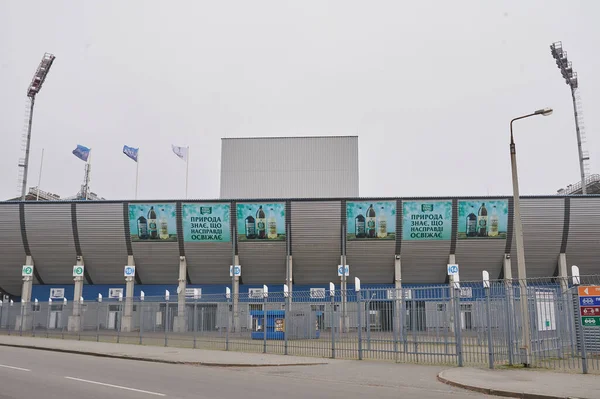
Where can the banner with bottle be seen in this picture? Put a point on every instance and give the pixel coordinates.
(368, 220)
(426, 220)
(482, 219)
(153, 222)
(206, 222)
(261, 221)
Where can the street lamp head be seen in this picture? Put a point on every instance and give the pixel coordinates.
(544, 112)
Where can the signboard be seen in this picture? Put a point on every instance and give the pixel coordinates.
(27, 271)
(57, 293)
(279, 325)
(129, 271)
(426, 220)
(206, 222)
(236, 269)
(546, 318)
(392, 292)
(466, 292)
(482, 219)
(589, 305)
(153, 222)
(452, 269)
(255, 293)
(114, 292)
(195, 293)
(77, 271)
(369, 220)
(343, 271)
(317, 293)
(261, 221)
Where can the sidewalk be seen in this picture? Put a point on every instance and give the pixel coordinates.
(524, 383)
(161, 354)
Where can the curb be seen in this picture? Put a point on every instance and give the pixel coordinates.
(145, 359)
(497, 392)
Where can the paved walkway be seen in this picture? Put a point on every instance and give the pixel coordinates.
(160, 354)
(522, 383)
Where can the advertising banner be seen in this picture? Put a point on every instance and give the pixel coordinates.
(261, 221)
(206, 222)
(426, 220)
(369, 220)
(153, 222)
(482, 219)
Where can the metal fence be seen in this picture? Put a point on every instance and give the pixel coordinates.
(451, 325)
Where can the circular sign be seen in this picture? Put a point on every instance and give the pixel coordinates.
(28, 270)
(78, 270)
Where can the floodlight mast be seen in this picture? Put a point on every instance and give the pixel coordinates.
(34, 88)
(570, 77)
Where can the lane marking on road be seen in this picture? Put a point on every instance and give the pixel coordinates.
(13, 368)
(115, 386)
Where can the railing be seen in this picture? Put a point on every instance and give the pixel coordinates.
(573, 188)
(468, 325)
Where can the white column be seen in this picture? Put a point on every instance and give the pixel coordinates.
(236, 299)
(452, 261)
(398, 290)
(127, 318)
(290, 280)
(563, 273)
(26, 299)
(180, 324)
(74, 323)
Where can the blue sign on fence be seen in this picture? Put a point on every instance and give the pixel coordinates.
(589, 300)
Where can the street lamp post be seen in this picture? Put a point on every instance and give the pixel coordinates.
(525, 348)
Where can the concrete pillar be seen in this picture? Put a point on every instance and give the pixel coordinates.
(127, 317)
(180, 324)
(399, 294)
(563, 273)
(74, 323)
(289, 281)
(453, 298)
(25, 318)
(236, 298)
(345, 320)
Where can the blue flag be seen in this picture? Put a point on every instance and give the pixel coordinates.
(82, 152)
(131, 152)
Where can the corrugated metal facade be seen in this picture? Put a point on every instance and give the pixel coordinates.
(316, 241)
(102, 241)
(11, 249)
(208, 262)
(583, 247)
(50, 234)
(262, 262)
(289, 167)
(425, 261)
(157, 262)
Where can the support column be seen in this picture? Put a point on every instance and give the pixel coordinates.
(180, 324)
(563, 273)
(399, 293)
(344, 288)
(289, 281)
(236, 298)
(453, 299)
(26, 299)
(74, 323)
(127, 318)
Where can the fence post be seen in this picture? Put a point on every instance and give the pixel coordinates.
(229, 317)
(22, 317)
(358, 317)
(166, 325)
(141, 319)
(332, 310)
(98, 304)
(48, 317)
(264, 323)
(287, 299)
(195, 317)
(457, 326)
(581, 334)
(489, 327)
(395, 325)
(33, 320)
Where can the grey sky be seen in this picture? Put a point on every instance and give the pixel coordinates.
(429, 87)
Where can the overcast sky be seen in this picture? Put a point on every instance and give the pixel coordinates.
(429, 87)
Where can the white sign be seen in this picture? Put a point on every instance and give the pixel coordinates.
(237, 269)
(317, 293)
(546, 317)
(27, 271)
(57, 293)
(255, 292)
(392, 292)
(466, 292)
(129, 271)
(452, 269)
(115, 292)
(77, 271)
(195, 293)
(343, 271)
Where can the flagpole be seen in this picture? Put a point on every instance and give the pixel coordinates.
(137, 173)
(187, 169)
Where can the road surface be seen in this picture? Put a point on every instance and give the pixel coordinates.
(27, 373)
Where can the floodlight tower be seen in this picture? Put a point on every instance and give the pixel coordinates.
(566, 68)
(34, 88)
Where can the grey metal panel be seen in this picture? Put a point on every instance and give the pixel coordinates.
(371, 261)
(158, 262)
(208, 263)
(475, 255)
(316, 228)
(50, 235)
(424, 261)
(102, 241)
(11, 249)
(262, 262)
(583, 247)
(292, 167)
(542, 236)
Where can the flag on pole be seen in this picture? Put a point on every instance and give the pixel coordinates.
(181, 152)
(82, 152)
(131, 152)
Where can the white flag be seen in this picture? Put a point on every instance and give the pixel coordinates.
(181, 152)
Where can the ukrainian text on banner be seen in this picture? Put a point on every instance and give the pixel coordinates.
(206, 222)
(153, 222)
(261, 221)
(482, 219)
(368, 220)
(426, 220)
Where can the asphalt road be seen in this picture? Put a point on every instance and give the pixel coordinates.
(27, 373)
